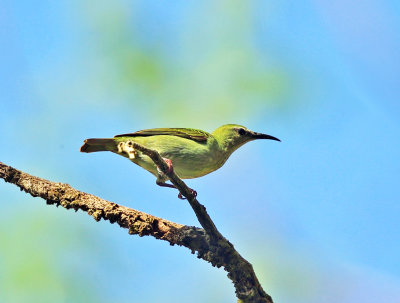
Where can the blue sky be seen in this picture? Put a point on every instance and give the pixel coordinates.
(316, 215)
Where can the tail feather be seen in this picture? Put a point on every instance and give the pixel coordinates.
(95, 145)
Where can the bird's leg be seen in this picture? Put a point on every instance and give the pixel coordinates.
(163, 184)
(161, 174)
(159, 182)
(169, 163)
(161, 177)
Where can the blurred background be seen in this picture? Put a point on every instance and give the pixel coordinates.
(317, 215)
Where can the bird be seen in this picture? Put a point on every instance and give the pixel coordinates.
(190, 153)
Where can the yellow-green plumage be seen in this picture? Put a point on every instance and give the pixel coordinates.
(193, 153)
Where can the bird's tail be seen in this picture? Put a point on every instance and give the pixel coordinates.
(95, 145)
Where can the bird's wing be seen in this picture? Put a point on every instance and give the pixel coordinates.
(188, 133)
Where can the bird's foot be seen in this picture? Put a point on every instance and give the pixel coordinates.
(183, 198)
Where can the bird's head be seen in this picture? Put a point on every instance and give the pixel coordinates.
(232, 136)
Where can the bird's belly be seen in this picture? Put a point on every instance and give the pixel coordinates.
(191, 167)
(186, 167)
(193, 172)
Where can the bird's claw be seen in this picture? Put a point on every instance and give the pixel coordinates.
(194, 193)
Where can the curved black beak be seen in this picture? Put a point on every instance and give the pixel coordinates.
(264, 136)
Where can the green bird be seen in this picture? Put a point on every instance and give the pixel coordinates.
(191, 153)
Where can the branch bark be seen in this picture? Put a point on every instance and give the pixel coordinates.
(209, 244)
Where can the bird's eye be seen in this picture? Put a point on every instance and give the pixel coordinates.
(241, 131)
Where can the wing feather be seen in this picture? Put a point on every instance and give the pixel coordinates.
(188, 133)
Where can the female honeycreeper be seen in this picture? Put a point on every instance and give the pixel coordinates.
(191, 153)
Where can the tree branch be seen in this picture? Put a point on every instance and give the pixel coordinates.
(198, 208)
(209, 244)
